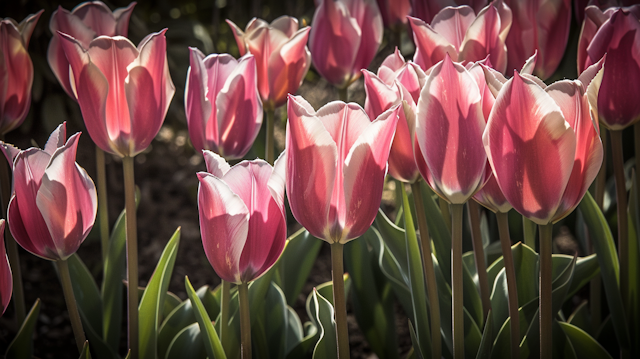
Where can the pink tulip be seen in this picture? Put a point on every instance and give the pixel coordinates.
(344, 38)
(396, 81)
(615, 32)
(223, 106)
(124, 92)
(16, 71)
(543, 144)
(281, 53)
(6, 281)
(449, 126)
(336, 164)
(54, 201)
(242, 218)
(85, 22)
(542, 26)
(394, 12)
(457, 31)
(427, 9)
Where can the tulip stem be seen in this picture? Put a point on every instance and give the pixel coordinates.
(72, 307)
(456, 281)
(103, 208)
(132, 253)
(478, 252)
(225, 298)
(429, 272)
(546, 311)
(446, 214)
(636, 137)
(339, 301)
(529, 231)
(12, 246)
(512, 288)
(269, 149)
(343, 94)
(245, 320)
(621, 196)
(595, 287)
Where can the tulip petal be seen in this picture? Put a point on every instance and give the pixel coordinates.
(197, 105)
(431, 47)
(412, 79)
(286, 24)
(6, 281)
(97, 16)
(553, 23)
(122, 16)
(238, 34)
(494, 79)
(369, 20)
(288, 66)
(531, 149)
(312, 159)
(224, 224)
(262, 43)
(380, 96)
(452, 23)
(56, 139)
(216, 165)
(277, 181)
(477, 72)
(390, 66)
(482, 40)
(402, 165)
(492, 198)
(10, 152)
(593, 20)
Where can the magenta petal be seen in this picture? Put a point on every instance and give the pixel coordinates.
(430, 46)
(197, 105)
(491, 197)
(594, 18)
(98, 16)
(531, 149)
(380, 96)
(369, 19)
(6, 281)
(482, 40)
(554, 22)
(402, 165)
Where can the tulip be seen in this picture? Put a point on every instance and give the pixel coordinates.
(54, 203)
(542, 26)
(16, 71)
(85, 22)
(397, 80)
(457, 31)
(124, 92)
(427, 9)
(394, 12)
(223, 106)
(282, 56)
(6, 281)
(243, 225)
(344, 39)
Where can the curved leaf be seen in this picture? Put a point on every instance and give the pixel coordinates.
(22, 345)
(326, 347)
(585, 346)
(187, 344)
(85, 353)
(211, 340)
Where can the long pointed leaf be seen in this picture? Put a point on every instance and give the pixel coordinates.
(22, 345)
(211, 340)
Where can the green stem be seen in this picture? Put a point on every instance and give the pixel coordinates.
(72, 307)
(546, 311)
(429, 272)
(12, 246)
(245, 320)
(636, 137)
(339, 300)
(529, 231)
(595, 288)
(446, 214)
(478, 252)
(621, 195)
(132, 253)
(456, 281)
(343, 94)
(225, 298)
(103, 208)
(601, 178)
(512, 288)
(269, 149)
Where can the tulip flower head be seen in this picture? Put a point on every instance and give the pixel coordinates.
(6, 281)
(427, 9)
(344, 38)
(336, 164)
(124, 92)
(394, 12)
(615, 32)
(222, 103)
(84, 23)
(397, 81)
(457, 31)
(16, 71)
(543, 144)
(242, 218)
(54, 203)
(282, 56)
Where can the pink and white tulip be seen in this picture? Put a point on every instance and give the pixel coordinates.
(242, 218)
(394, 12)
(427, 9)
(615, 32)
(396, 81)
(16, 71)
(344, 38)
(465, 36)
(6, 280)
(124, 92)
(449, 127)
(54, 203)
(543, 144)
(281, 54)
(336, 164)
(222, 103)
(85, 22)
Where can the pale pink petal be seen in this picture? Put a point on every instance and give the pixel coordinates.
(216, 165)
(402, 164)
(369, 19)
(379, 95)
(6, 281)
(277, 181)
(27, 25)
(238, 34)
(286, 24)
(413, 79)
(478, 73)
(492, 198)
(10, 152)
(591, 72)
(531, 149)
(530, 64)
(431, 47)
(391, 65)
(344, 122)
(482, 40)
(197, 106)
(56, 139)
(262, 43)
(495, 80)
(122, 16)
(288, 67)
(452, 23)
(97, 16)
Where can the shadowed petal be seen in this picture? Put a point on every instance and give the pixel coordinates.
(216, 165)
(6, 281)
(452, 24)
(288, 66)
(431, 47)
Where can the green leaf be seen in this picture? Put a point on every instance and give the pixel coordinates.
(211, 340)
(472, 336)
(85, 354)
(326, 347)
(580, 317)
(22, 345)
(415, 345)
(438, 229)
(372, 299)
(295, 263)
(585, 346)
(484, 351)
(295, 331)
(153, 298)
(270, 330)
(605, 248)
(187, 344)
